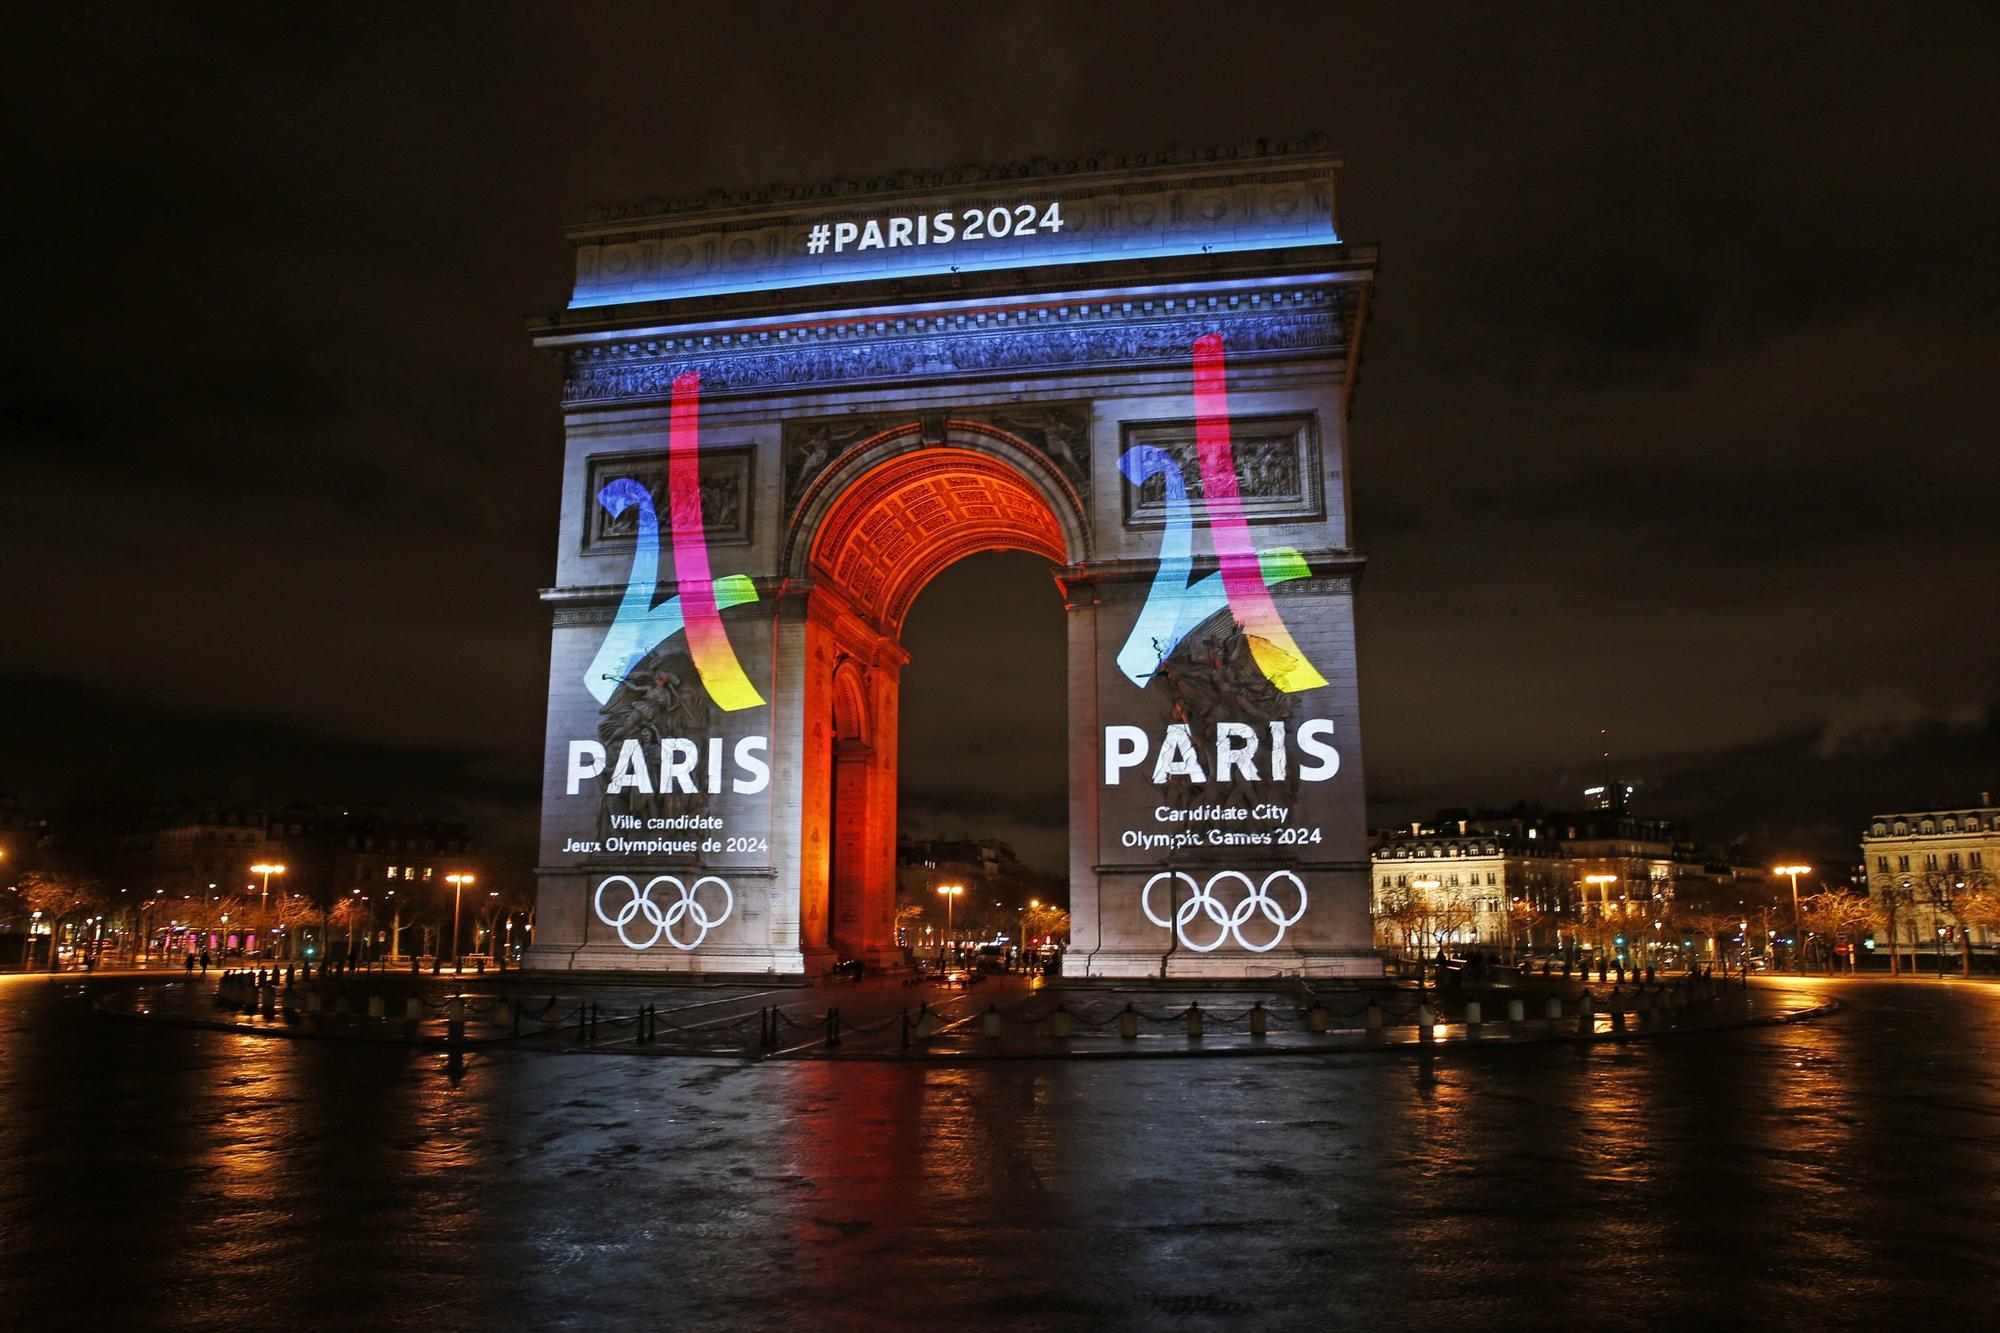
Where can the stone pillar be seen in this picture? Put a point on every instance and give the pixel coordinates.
(1085, 937)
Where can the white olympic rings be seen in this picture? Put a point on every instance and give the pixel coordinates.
(1202, 902)
(688, 907)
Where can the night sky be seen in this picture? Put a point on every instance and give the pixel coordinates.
(1676, 413)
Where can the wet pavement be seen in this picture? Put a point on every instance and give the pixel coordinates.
(1841, 1170)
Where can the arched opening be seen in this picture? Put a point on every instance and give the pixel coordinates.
(869, 543)
(982, 792)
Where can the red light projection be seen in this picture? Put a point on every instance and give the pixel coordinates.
(901, 523)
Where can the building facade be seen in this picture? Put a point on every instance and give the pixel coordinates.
(1933, 874)
(1598, 883)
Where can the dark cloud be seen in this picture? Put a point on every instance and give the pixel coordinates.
(1674, 414)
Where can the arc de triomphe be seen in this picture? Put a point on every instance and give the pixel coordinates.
(786, 411)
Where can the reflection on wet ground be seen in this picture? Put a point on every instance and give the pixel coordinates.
(1837, 1170)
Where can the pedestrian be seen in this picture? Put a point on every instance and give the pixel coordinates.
(190, 962)
(204, 962)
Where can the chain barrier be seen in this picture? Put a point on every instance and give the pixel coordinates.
(1649, 1003)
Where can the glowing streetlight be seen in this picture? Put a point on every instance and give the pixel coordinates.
(267, 869)
(1034, 905)
(949, 892)
(458, 883)
(1798, 935)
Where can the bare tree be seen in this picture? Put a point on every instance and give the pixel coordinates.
(61, 898)
(1890, 902)
(1425, 916)
(1962, 897)
(1830, 914)
(1048, 922)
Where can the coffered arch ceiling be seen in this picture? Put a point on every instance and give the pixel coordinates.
(900, 524)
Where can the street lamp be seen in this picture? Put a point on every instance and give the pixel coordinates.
(1034, 905)
(266, 869)
(1798, 935)
(949, 892)
(458, 883)
(1603, 883)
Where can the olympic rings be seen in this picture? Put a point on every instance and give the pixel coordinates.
(1203, 902)
(686, 908)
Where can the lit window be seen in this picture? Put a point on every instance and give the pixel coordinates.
(392, 873)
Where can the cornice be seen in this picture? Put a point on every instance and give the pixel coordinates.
(1010, 341)
(1115, 280)
(1315, 148)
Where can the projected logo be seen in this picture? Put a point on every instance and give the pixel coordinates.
(683, 921)
(1174, 606)
(1203, 922)
(640, 626)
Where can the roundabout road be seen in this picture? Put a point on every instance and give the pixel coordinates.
(1837, 1170)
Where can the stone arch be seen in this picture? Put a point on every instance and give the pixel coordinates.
(883, 520)
(850, 704)
(886, 515)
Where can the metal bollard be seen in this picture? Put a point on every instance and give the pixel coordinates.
(1552, 1008)
(1316, 1018)
(341, 1004)
(1517, 1017)
(375, 1007)
(1194, 1020)
(503, 1015)
(1059, 1022)
(270, 1001)
(1128, 1024)
(1260, 1019)
(925, 1021)
(833, 1027)
(454, 1023)
(1586, 1022)
(413, 1010)
(989, 1022)
(1617, 1018)
(312, 1000)
(1475, 1016)
(1426, 1021)
(1372, 1019)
